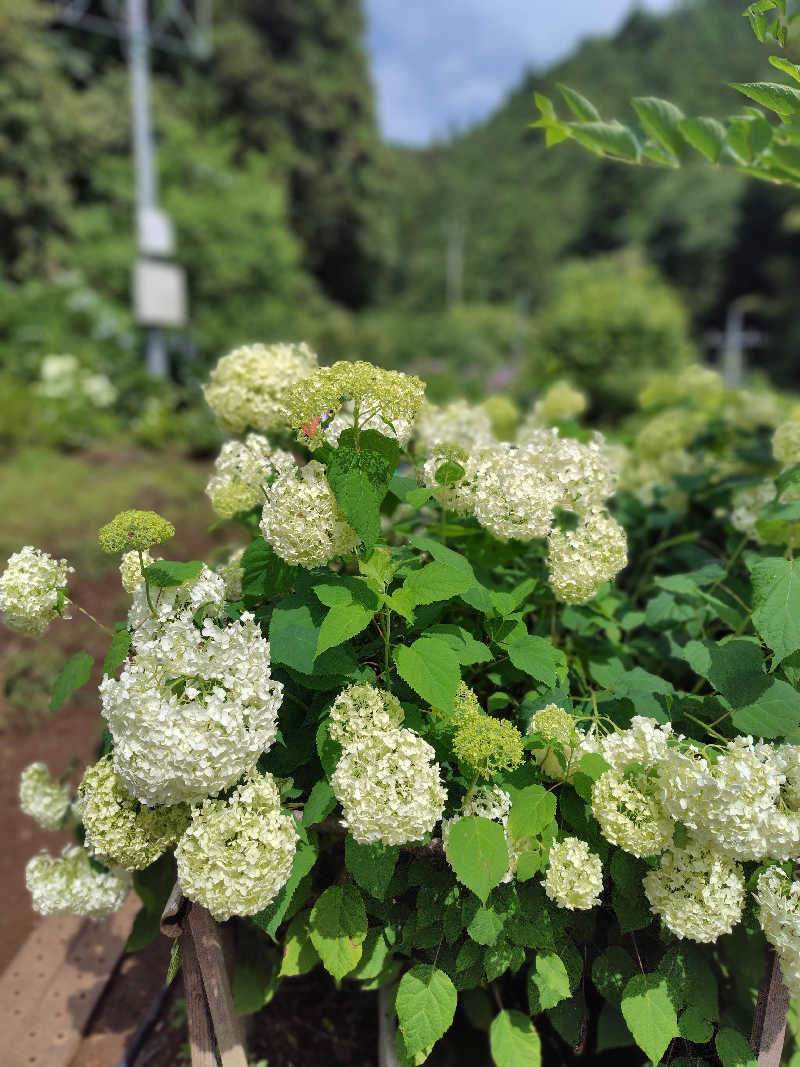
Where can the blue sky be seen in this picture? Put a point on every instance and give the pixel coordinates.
(439, 65)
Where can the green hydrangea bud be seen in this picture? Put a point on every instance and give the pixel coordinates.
(483, 745)
(134, 530)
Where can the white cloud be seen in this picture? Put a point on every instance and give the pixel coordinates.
(440, 64)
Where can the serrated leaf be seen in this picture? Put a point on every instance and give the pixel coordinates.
(612, 971)
(782, 99)
(704, 134)
(436, 581)
(442, 554)
(550, 979)
(449, 472)
(299, 954)
(580, 107)
(648, 1011)
(117, 652)
(320, 803)
(167, 572)
(294, 632)
(340, 624)
(272, 916)
(607, 138)
(265, 573)
(513, 1040)
(776, 605)
(372, 866)
(735, 667)
(74, 674)
(338, 927)
(660, 118)
(431, 668)
(776, 712)
(533, 808)
(538, 658)
(478, 853)
(465, 646)
(425, 1004)
(733, 1048)
(175, 961)
(360, 477)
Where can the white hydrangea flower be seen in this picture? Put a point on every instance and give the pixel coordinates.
(581, 560)
(586, 474)
(302, 521)
(205, 593)
(193, 710)
(43, 797)
(778, 899)
(33, 590)
(389, 786)
(556, 724)
(786, 443)
(733, 805)
(698, 893)
(400, 429)
(642, 475)
(130, 569)
(243, 471)
(69, 885)
(669, 431)
(645, 742)
(246, 386)
(118, 828)
(457, 423)
(58, 375)
(574, 876)
(362, 709)
(237, 853)
(99, 390)
(630, 814)
(747, 505)
(488, 802)
(560, 401)
(232, 574)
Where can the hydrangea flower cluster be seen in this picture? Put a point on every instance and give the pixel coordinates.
(134, 530)
(778, 899)
(130, 569)
(232, 573)
(193, 710)
(302, 521)
(457, 423)
(204, 594)
(488, 802)
(44, 798)
(559, 402)
(62, 377)
(244, 470)
(118, 828)
(555, 725)
(245, 389)
(33, 590)
(70, 885)
(581, 560)
(238, 851)
(630, 813)
(786, 443)
(483, 745)
(574, 878)
(697, 892)
(747, 505)
(386, 780)
(385, 400)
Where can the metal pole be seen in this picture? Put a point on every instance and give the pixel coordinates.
(143, 153)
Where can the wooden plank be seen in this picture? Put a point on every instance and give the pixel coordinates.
(769, 1022)
(52, 985)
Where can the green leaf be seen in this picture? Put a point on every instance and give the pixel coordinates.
(486, 925)
(299, 954)
(792, 69)
(74, 674)
(265, 573)
(338, 927)
(372, 866)
(449, 473)
(294, 632)
(774, 714)
(478, 853)
(340, 624)
(554, 131)
(607, 139)
(466, 648)
(513, 1040)
(782, 99)
(425, 1003)
(733, 1049)
(660, 118)
(776, 605)
(330, 751)
(628, 898)
(705, 134)
(538, 658)
(506, 601)
(436, 581)
(175, 961)
(612, 971)
(580, 107)
(171, 572)
(648, 1011)
(442, 554)
(320, 803)
(117, 652)
(735, 667)
(360, 477)
(533, 808)
(271, 917)
(431, 668)
(550, 980)
(638, 685)
(748, 136)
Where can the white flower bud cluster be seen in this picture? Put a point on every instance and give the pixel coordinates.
(581, 560)
(237, 853)
(33, 590)
(786, 443)
(243, 471)
(70, 885)
(557, 725)
(488, 802)
(302, 521)
(457, 423)
(779, 914)
(574, 876)
(205, 594)
(387, 780)
(130, 569)
(43, 797)
(559, 402)
(193, 710)
(118, 828)
(246, 386)
(697, 892)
